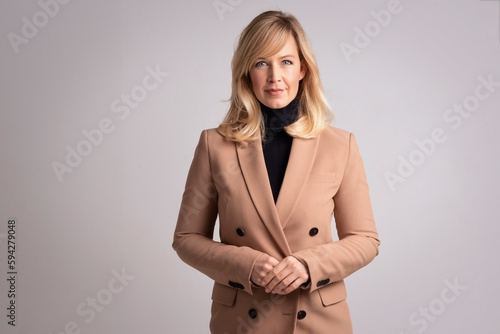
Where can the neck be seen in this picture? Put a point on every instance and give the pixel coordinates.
(277, 119)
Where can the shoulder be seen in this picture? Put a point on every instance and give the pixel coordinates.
(210, 135)
(338, 142)
(214, 141)
(334, 131)
(332, 135)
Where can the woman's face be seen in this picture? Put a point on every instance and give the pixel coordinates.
(275, 79)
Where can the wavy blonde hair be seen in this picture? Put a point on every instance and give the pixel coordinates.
(265, 36)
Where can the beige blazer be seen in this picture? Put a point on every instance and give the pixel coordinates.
(324, 177)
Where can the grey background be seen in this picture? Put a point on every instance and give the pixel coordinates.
(116, 211)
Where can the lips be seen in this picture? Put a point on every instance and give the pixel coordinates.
(274, 91)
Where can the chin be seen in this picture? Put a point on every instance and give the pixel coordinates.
(276, 104)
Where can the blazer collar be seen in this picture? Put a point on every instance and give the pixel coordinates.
(253, 167)
(297, 172)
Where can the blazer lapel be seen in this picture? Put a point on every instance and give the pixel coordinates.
(253, 167)
(299, 167)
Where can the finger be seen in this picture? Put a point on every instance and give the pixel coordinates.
(263, 265)
(290, 278)
(270, 276)
(288, 289)
(284, 268)
(274, 262)
(282, 284)
(293, 286)
(290, 282)
(280, 280)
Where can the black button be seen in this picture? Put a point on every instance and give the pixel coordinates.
(313, 231)
(252, 313)
(323, 282)
(236, 285)
(240, 232)
(301, 314)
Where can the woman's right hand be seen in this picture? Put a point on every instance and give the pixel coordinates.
(263, 265)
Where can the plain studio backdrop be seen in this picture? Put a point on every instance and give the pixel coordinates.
(102, 104)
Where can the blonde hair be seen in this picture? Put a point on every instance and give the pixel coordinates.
(265, 36)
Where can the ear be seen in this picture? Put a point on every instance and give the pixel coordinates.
(303, 69)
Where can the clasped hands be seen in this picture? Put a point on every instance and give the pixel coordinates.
(279, 277)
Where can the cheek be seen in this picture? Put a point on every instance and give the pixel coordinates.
(256, 80)
(257, 86)
(294, 80)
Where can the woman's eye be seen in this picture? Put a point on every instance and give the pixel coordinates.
(287, 62)
(260, 64)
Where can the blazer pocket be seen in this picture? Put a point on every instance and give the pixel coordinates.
(321, 178)
(224, 295)
(332, 293)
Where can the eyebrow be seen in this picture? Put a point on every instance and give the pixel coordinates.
(285, 56)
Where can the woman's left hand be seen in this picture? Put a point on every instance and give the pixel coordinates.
(286, 276)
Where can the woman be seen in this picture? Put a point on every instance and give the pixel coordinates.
(274, 172)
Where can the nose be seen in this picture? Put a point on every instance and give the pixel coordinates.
(274, 74)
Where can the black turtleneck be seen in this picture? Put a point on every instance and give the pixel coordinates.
(277, 143)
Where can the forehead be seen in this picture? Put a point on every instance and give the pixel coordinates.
(286, 45)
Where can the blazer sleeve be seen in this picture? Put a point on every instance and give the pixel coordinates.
(193, 237)
(358, 238)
